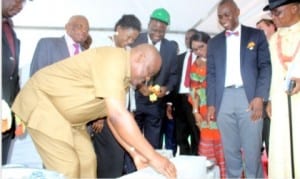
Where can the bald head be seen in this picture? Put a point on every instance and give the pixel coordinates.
(150, 56)
(145, 63)
(78, 28)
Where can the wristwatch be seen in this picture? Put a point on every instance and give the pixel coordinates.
(195, 111)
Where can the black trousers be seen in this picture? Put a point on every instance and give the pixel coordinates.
(185, 126)
(266, 132)
(6, 141)
(168, 135)
(149, 119)
(266, 128)
(7, 137)
(110, 155)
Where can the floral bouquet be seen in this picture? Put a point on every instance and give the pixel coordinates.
(154, 92)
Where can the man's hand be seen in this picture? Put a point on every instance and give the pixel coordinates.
(163, 166)
(144, 90)
(97, 125)
(169, 112)
(256, 106)
(129, 135)
(163, 91)
(296, 89)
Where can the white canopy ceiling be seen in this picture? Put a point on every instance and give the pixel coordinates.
(103, 14)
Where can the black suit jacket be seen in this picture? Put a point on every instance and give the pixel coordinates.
(174, 96)
(167, 76)
(10, 72)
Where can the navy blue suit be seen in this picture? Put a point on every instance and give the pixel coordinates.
(255, 66)
(48, 51)
(239, 133)
(149, 114)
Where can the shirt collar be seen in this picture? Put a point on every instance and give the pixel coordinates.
(69, 40)
(237, 29)
(157, 44)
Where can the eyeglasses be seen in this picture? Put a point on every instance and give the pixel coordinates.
(275, 13)
(279, 10)
(198, 48)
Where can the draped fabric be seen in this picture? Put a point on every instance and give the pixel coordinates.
(279, 146)
(210, 144)
(6, 25)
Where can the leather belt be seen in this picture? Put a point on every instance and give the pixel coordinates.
(234, 86)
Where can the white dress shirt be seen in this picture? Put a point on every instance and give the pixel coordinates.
(233, 59)
(182, 88)
(70, 45)
(156, 45)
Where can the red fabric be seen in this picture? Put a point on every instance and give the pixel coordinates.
(201, 71)
(211, 146)
(188, 71)
(264, 160)
(9, 36)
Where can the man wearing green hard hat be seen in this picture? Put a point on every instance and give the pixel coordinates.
(161, 15)
(149, 114)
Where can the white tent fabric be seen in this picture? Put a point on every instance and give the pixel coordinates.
(104, 13)
(45, 18)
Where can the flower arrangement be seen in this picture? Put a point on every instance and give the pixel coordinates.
(154, 92)
(251, 45)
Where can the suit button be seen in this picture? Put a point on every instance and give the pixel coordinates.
(12, 58)
(11, 78)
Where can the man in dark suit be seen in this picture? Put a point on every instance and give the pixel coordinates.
(10, 64)
(184, 119)
(149, 114)
(54, 49)
(238, 79)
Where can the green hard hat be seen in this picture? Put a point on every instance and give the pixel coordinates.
(162, 15)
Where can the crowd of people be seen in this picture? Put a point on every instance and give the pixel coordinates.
(226, 97)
